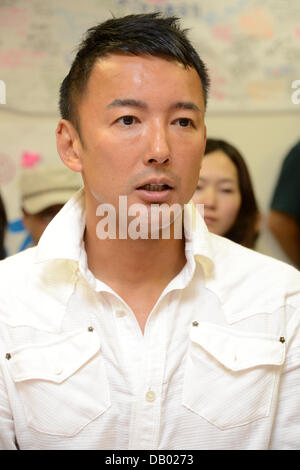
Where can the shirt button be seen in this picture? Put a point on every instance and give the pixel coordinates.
(150, 396)
(58, 371)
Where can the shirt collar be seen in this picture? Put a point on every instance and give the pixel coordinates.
(225, 266)
(63, 239)
(198, 240)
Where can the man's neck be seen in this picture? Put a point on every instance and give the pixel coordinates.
(134, 261)
(137, 270)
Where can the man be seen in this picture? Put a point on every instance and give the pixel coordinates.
(284, 219)
(44, 190)
(150, 342)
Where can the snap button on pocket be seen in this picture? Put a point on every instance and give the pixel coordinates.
(150, 396)
(47, 375)
(230, 375)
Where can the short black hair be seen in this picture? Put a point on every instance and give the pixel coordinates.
(141, 34)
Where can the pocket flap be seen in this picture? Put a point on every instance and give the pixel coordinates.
(54, 361)
(238, 350)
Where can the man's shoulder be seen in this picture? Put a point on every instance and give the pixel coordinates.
(245, 266)
(248, 283)
(227, 249)
(34, 293)
(17, 265)
(17, 273)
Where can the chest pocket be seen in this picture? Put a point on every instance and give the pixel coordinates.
(230, 375)
(63, 384)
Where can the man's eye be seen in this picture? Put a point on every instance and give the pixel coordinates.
(127, 120)
(185, 122)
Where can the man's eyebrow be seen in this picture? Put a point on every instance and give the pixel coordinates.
(186, 105)
(127, 102)
(142, 104)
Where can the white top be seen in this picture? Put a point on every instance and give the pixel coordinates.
(218, 366)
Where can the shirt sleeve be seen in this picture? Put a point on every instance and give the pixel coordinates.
(7, 434)
(286, 197)
(286, 430)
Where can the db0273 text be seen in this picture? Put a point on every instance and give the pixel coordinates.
(170, 459)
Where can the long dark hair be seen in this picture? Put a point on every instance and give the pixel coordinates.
(245, 228)
(3, 224)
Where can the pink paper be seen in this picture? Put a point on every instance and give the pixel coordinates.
(30, 159)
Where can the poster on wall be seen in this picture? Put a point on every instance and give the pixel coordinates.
(252, 48)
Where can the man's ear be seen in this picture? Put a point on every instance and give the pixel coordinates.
(68, 145)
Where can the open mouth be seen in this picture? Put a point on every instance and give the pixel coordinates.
(155, 187)
(155, 193)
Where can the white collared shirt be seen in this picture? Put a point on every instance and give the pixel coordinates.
(218, 366)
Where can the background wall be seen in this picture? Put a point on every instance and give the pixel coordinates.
(252, 49)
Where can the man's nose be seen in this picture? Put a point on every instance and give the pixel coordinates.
(158, 152)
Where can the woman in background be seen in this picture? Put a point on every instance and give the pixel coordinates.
(3, 224)
(225, 189)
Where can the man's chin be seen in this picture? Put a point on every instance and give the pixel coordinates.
(139, 220)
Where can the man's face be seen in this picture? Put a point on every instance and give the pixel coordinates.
(143, 133)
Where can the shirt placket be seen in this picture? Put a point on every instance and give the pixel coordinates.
(146, 409)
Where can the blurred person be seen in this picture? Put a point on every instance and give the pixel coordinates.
(225, 189)
(284, 217)
(3, 225)
(44, 190)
